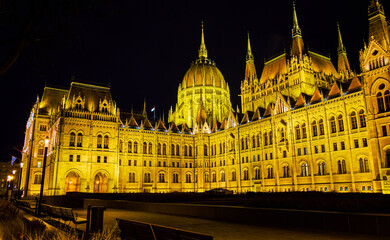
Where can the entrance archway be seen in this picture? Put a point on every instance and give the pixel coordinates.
(72, 182)
(100, 183)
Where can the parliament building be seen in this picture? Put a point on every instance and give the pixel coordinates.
(304, 125)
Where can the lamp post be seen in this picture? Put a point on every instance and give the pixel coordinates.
(9, 188)
(43, 176)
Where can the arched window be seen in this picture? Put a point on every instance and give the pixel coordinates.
(150, 150)
(38, 178)
(205, 149)
(164, 152)
(145, 148)
(234, 176)
(120, 145)
(79, 140)
(362, 118)
(173, 150)
(106, 141)
(99, 141)
(381, 106)
(159, 149)
(246, 142)
(161, 177)
(129, 147)
(265, 139)
(257, 174)
(175, 178)
(363, 163)
(341, 123)
(314, 128)
(222, 173)
(147, 178)
(270, 172)
(304, 133)
(304, 170)
(297, 132)
(286, 171)
(72, 139)
(223, 147)
(188, 177)
(242, 143)
(341, 167)
(253, 141)
(270, 137)
(353, 121)
(190, 151)
(246, 174)
(206, 177)
(321, 168)
(135, 147)
(387, 101)
(332, 122)
(185, 150)
(177, 150)
(132, 177)
(258, 140)
(214, 177)
(387, 158)
(282, 135)
(321, 127)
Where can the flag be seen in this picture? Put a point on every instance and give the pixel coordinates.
(13, 160)
(153, 109)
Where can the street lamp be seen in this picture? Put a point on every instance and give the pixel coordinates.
(43, 176)
(9, 179)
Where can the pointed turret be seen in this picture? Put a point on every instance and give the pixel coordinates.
(298, 47)
(202, 50)
(343, 63)
(144, 110)
(378, 27)
(250, 70)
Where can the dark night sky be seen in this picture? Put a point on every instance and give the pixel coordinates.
(144, 48)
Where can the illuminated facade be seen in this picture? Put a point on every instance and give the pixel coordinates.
(305, 126)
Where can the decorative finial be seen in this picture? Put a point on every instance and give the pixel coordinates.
(296, 31)
(341, 48)
(249, 55)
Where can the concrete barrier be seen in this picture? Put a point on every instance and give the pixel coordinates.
(376, 224)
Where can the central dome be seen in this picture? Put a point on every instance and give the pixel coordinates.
(203, 73)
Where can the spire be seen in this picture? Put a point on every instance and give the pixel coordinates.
(296, 31)
(144, 110)
(250, 70)
(343, 63)
(202, 50)
(378, 26)
(297, 48)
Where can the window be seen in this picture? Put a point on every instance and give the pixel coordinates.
(150, 163)
(164, 152)
(304, 133)
(175, 178)
(106, 141)
(98, 159)
(234, 177)
(332, 125)
(286, 171)
(266, 156)
(78, 158)
(284, 153)
(159, 149)
(321, 168)
(129, 147)
(172, 149)
(258, 140)
(135, 162)
(147, 178)
(381, 106)
(132, 177)
(205, 149)
(304, 170)
(257, 174)
(314, 129)
(353, 121)
(120, 145)
(321, 127)
(362, 118)
(145, 148)
(363, 163)
(305, 151)
(246, 174)
(129, 162)
(270, 138)
(334, 146)
(42, 127)
(72, 139)
(41, 151)
(265, 139)
(135, 147)
(323, 148)
(38, 178)
(270, 172)
(315, 149)
(161, 177)
(356, 143)
(384, 130)
(365, 142)
(341, 123)
(299, 152)
(387, 100)
(79, 140)
(297, 132)
(70, 158)
(242, 143)
(253, 141)
(341, 167)
(105, 159)
(188, 177)
(282, 135)
(206, 177)
(150, 148)
(222, 176)
(342, 145)
(190, 151)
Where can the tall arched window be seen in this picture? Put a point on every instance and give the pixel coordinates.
(387, 158)
(362, 118)
(304, 170)
(321, 127)
(172, 149)
(120, 145)
(265, 139)
(353, 121)
(79, 140)
(304, 133)
(314, 128)
(270, 137)
(190, 151)
(206, 177)
(270, 172)
(258, 140)
(387, 100)
(246, 174)
(363, 163)
(332, 122)
(205, 149)
(161, 177)
(341, 167)
(242, 143)
(177, 150)
(150, 150)
(72, 139)
(381, 106)
(132, 177)
(222, 173)
(297, 132)
(185, 150)
(147, 178)
(164, 152)
(257, 174)
(175, 178)
(129, 147)
(213, 177)
(286, 171)
(253, 141)
(99, 141)
(234, 176)
(341, 123)
(188, 177)
(282, 135)
(145, 148)
(106, 141)
(321, 168)
(135, 147)
(159, 149)
(38, 178)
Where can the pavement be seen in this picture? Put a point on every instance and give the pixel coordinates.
(224, 230)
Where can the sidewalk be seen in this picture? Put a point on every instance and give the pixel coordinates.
(223, 230)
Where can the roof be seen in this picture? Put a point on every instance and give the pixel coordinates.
(274, 67)
(322, 63)
(51, 100)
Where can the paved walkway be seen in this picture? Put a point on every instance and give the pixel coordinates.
(223, 230)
